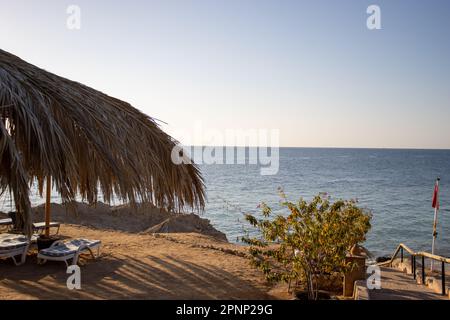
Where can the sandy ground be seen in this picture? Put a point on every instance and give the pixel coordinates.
(142, 266)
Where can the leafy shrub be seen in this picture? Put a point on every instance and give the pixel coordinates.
(313, 240)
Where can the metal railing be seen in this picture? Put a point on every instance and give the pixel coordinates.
(402, 247)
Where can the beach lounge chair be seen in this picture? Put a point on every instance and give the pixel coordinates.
(40, 226)
(64, 250)
(6, 222)
(12, 246)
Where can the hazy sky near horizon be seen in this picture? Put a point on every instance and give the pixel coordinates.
(310, 69)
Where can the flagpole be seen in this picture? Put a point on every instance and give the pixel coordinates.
(436, 208)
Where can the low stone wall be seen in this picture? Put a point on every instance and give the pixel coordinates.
(361, 292)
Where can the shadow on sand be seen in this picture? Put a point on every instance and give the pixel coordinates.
(125, 277)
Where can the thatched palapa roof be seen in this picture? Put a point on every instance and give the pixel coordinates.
(86, 141)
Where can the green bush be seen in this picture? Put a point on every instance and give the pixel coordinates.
(313, 240)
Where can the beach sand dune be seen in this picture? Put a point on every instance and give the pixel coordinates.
(144, 218)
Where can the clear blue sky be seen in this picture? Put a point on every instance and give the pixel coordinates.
(308, 68)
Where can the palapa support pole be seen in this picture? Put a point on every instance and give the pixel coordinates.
(47, 206)
(436, 209)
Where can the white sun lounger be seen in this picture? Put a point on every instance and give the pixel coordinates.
(6, 222)
(12, 246)
(64, 250)
(37, 226)
(40, 226)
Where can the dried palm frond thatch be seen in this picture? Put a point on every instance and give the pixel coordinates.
(86, 141)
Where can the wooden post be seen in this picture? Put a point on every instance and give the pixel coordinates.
(47, 206)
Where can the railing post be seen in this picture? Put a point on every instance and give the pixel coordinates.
(423, 270)
(401, 254)
(414, 267)
(412, 264)
(443, 278)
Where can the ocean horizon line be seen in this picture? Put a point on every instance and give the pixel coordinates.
(322, 148)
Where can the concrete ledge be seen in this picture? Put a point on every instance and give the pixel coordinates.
(405, 267)
(360, 291)
(436, 285)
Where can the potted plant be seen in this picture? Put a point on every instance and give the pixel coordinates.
(45, 240)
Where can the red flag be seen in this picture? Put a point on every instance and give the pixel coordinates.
(435, 203)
